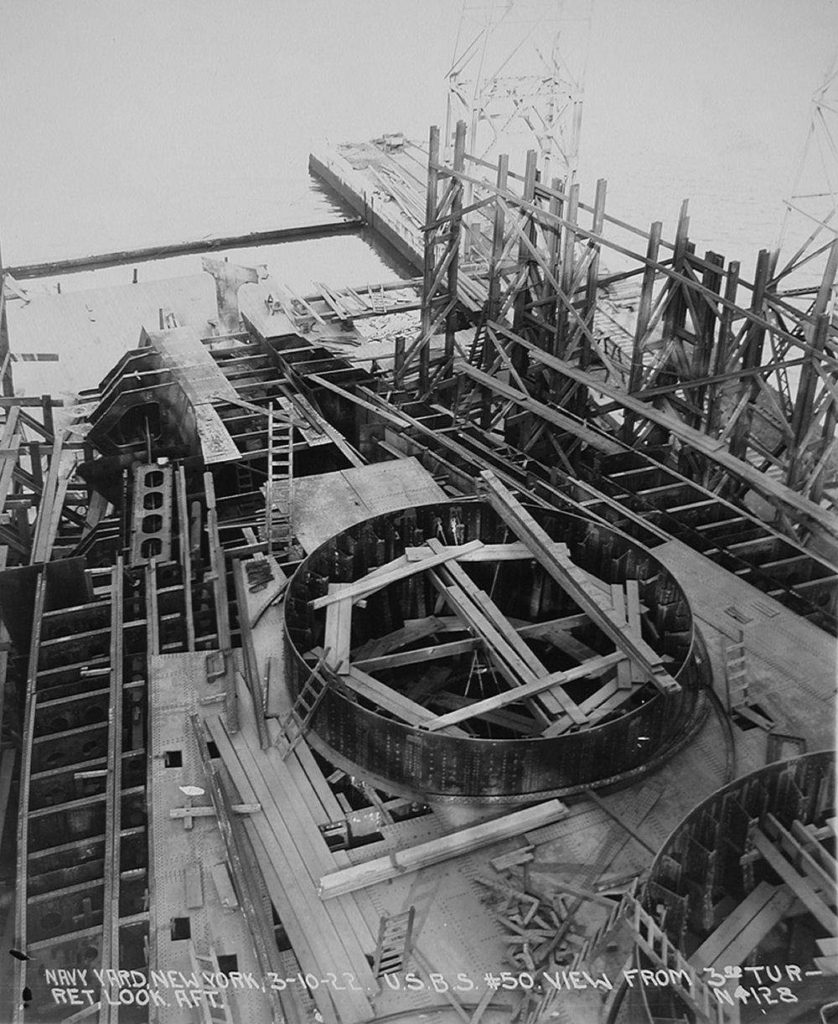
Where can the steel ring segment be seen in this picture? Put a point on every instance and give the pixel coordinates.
(502, 755)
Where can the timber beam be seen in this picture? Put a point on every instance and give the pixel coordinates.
(567, 575)
(808, 512)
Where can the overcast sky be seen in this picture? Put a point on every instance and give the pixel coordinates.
(127, 123)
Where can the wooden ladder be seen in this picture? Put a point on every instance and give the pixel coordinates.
(278, 516)
(210, 1014)
(476, 352)
(691, 988)
(377, 300)
(295, 724)
(395, 934)
(244, 479)
(736, 674)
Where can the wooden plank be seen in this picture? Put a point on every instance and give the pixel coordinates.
(46, 507)
(633, 607)
(185, 554)
(13, 401)
(815, 848)
(218, 567)
(802, 859)
(522, 724)
(285, 874)
(309, 780)
(712, 449)
(403, 708)
(798, 883)
(374, 654)
(566, 622)
(110, 951)
(618, 603)
(515, 551)
(297, 934)
(25, 272)
(240, 867)
(486, 619)
(552, 557)
(737, 926)
(599, 440)
(330, 434)
(338, 635)
(513, 670)
(554, 679)
(558, 638)
(7, 763)
(492, 613)
(372, 582)
(10, 427)
(252, 676)
(583, 894)
(615, 700)
(777, 908)
(410, 632)
(422, 654)
(511, 860)
(224, 885)
(294, 796)
(303, 758)
(436, 850)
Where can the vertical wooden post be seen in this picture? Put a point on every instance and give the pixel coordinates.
(35, 462)
(829, 424)
(676, 310)
(398, 356)
(493, 302)
(454, 245)
(430, 246)
(705, 334)
(6, 385)
(805, 401)
(554, 236)
(752, 357)
(46, 407)
(498, 228)
(519, 355)
(593, 274)
(641, 326)
(722, 353)
(568, 263)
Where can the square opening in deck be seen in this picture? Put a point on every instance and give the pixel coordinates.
(228, 963)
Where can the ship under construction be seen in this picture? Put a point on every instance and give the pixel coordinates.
(476, 670)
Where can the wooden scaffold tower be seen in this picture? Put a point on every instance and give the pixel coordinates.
(545, 347)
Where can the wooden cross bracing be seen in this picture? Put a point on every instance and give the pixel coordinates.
(497, 645)
(743, 363)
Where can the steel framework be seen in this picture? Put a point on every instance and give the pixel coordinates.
(518, 69)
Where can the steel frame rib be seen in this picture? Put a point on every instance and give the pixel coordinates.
(109, 1013)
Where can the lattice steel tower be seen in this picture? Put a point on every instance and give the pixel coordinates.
(517, 77)
(810, 225)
